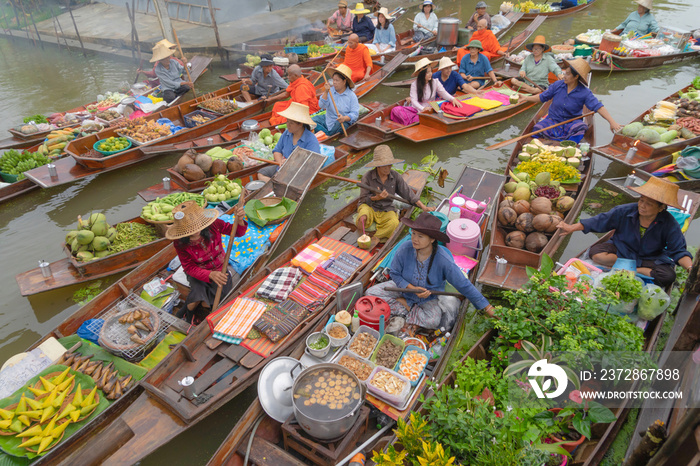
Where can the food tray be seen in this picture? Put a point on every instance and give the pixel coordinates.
(421, 351)
(112, 152)
(364, 329)
(350, 354)
(395, 340)
(140, 143)
(308, 359)
(190, 123)
(394, 400)
(204, 107)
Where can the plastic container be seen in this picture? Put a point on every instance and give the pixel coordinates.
(461, 201)
(414, 342)
(350, 354)
(420, 374)
(370, 308)
(609, 42)
(364, 329)
(337, 341)
(190, 123)
(395, 340)
(355, 322)
(396, 400)
(7, 178)
(464, 237)
(302, 49)
(106, 153)
(319, 353)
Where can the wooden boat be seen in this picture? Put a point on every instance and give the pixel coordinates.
(644, 171)
(518, 259)
(159, 413)
(16, 189)
(618, 148)
(368, 133)
(558, 13)
(473, 183)
(607, 62)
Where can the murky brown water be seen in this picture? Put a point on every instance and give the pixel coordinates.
(32, 227)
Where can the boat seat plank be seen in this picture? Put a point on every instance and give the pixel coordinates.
(226, 382)
(339, 233)
(203, 356)
(251, 360)
(212, 374)
(362, 140)
(213, 343)
(234, 352)
(264, 452)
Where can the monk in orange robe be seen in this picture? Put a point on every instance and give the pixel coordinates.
(492, 49)
(357, 59)
(300, 90)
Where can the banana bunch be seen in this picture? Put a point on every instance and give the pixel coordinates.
(14, 162)
(56, 142)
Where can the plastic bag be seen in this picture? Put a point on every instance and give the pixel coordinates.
(624, 307)
(499, 22)
(653, 302)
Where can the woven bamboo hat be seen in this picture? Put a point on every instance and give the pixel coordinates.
(161, 51)
(539, 40)
(428, 224)
(645, 3)
(342, 4)
(189, 218)
(383, 157)
(345, 71)
(423, 63)
(445, 62)
(475, 44)
(360, 9)
(660, 190)
(385, 12)
(165, 43)
(580, 67)
(299, 113)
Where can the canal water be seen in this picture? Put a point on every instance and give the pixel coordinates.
(33, 226)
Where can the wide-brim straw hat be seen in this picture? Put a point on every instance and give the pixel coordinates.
(165, 43)
(383, 157)
(428, 224)
(342, 3)
(475, 44)
(645, 3)
(345, 71)
(189, 218)
(581, 67)
(385, 12)
(423, 63)
(360, 9)
(299, 113)
(445, 62)
(660, 190)
(160, 52)
(539, 40)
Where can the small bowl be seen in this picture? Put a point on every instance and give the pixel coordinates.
(338, 341)
(415, 342)
(319, 353)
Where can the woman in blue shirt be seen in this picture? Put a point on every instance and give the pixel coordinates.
(640, 22)
(424, 266)
(645, 232)
(348, 107)
(361, 24)
(450, 79)
(297, 134)
(384, 36)
(475, 65)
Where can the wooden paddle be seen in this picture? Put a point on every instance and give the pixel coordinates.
(421, 26)
(329, 64)
(511, 141)
(531, 82)
(189, 78)
(436, 293)
(330, 94)
(138, 72)
(219, 288)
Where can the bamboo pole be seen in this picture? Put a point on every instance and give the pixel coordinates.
(241, 202)
(24, 16)
(189, 78)
(70, 11)
(330, 94)
(60, 28)
(38, 37)
(131, 20)
(329, 64)
(216, 31)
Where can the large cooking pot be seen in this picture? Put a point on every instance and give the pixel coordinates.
(327, 399)
(448, 32)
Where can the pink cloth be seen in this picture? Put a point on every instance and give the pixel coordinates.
(433, 88)
(404, 115)
(495, 95)
(465, 110)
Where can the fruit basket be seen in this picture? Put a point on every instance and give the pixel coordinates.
(96, 146)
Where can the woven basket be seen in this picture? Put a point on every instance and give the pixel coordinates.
(123, 344)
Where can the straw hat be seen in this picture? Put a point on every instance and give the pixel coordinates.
(539, 40)
(160, 51)
(445, 62)
(480, 5)
(422, 63)
(345, 71)
(342, 3)
(660, 190)
(165, 43)
(645, 3)
(475, 44)
(189, 218)
(360, 9)
(385, 12)
(383, 157)
(299, 113)
(580, 67)
(428, 224)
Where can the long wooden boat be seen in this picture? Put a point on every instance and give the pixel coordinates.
(160, 412)
(518, 259)
(607, 62)
(558, 13)
(473, 183)
(644, 171)
(618, 148)
(369, 133)
(15, 189)
(292, 181)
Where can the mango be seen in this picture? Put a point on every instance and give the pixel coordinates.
(85, 237)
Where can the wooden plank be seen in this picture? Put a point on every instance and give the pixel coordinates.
(339, 233)
(212, 374)
(234, 352)
(264, 452)
(203, 356)
(236, 376)
(251, 360)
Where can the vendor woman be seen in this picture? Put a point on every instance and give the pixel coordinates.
(196, 233)
(568, 98)
(424, 266)
(297, 134)
(640, 22)
(644, 231)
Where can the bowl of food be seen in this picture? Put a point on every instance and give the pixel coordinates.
(318, 344)
(338, 334)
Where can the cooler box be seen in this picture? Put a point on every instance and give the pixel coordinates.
(370, 309)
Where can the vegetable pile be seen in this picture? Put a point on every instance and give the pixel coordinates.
(161, 210)
(143, 131)
(36, 119)
(222, 189)
(14, 162)
(624, 284)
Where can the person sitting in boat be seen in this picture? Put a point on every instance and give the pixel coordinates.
(450, 79)
(568, 98)
(536, 67)
(384, 35)
(564, 4)
(342, 106)
(489, 43)
(476, 65)
(357, 58)
(361, 24)
(376, 208)
(644, 231)
(424, 90)
(479, 14)
(264, 81)
(151, 75)
(300, 90)
(169, 72)
(297, 134)
(424, 266)
(426, 22)
(640, 22)
(196, 234)
(341, 19)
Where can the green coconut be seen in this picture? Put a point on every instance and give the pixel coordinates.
(71, 236)
(101, 254)
(85, 236)
(531, 149)
(100, 228)
(543, 179)
(510, 187)
(524, 156)
(112, 234)
(85, 256)
(98, 217)
(521, 194)
(100, 243)
(573, 161)
(570, 151)
(74, 246)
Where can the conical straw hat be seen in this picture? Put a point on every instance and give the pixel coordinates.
(660, 190)
(383, 157)
(344, 71)
(189, 218)
(299, 113)
(422, 63)
(160, 51)
(581, 67)
(445, 62)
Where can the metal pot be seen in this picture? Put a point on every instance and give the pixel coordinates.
(334, 427)
(448, 32)
(254, 185)
(250, 125)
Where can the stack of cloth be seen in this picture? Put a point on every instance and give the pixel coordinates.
(238, 320)
(316, 287)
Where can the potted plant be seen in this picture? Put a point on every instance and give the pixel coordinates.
(578, 416)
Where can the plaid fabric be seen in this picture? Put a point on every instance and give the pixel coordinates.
(279, 284)
(311, 257)
(239, 318)
(324, 279)
(344, 265)
(279, 321)
(227, 339)
(316, 287)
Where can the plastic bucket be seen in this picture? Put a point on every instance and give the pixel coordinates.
(370, 309)
(609, 42)
(464, 237)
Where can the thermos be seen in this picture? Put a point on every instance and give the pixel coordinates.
(501, 264)
(187, 388)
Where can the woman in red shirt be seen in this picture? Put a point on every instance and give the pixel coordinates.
(196, 233)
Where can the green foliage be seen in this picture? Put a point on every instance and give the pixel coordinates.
(418, 447)
(474, 376)
(36, 119)
(624, 284)
(87, 293)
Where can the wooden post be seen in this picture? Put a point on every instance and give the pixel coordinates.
(31, 16)
(55, 30)
(16, 14)
(164, 19)
(24, 16)
(133, 50)
(60, 28)
(216, 31)
(7, 24)
(70, 11)
(136, 31)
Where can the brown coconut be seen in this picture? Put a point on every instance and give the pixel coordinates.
(555, 221)
(515, 239)
(193, 172)
(535, 242)
(204, 162)
(524, 223)
(234, 164)
(218, 167)
(542, 222)
(507, 217)
(540, 205)
(506, 203)
(185, 160)
(521, 207)
(565, 203)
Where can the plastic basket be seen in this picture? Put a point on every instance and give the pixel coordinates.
(302, 49)
(106, 153)
(467, 213)
(394, 340)
(7, 178)
(420, 374)
(395, 400)
(190, 123)
(230, 202)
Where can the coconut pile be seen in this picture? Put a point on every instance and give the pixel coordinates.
(91, 240)
(194, 166)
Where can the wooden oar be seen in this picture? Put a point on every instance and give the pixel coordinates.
(511, 141)
(436, 293)
(224, 267)
(330, 94)
(189, 78)
(531, 82)
(421, 26)
(329, 64)
(138, 72)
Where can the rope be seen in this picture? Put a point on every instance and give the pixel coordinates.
(252, 436)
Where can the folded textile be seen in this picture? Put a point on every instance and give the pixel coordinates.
(497, 96)
(279, 284)
(324, 279)
(279, 321)
(485, 104)
(344, 265)
(239, 318)
(250, 246)
(311, 257)
(465, 110)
